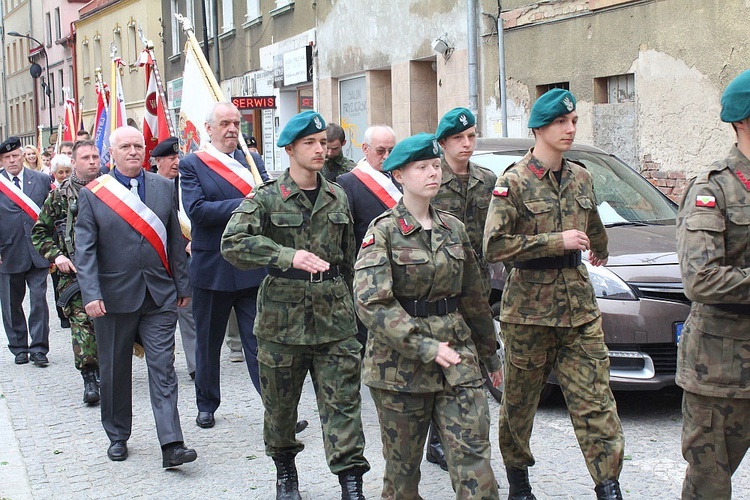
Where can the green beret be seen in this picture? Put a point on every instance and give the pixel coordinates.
(454, 122)
(550, 105)
(735, 102)
(301, 125)
(10, 144)
(168, 147)
(417, 147)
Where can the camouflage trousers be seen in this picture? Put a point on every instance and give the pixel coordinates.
(81, 333)
(463, 422)
(580, 360)
(715, 438)
(335, 370)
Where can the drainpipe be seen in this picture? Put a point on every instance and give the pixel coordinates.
(501, 65)
(471, 24)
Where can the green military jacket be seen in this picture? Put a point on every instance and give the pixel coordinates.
(713, 245)
(469, 207)
(266, 230)
(45, 236)
(334, 167)
(527, 215)
(399, 260)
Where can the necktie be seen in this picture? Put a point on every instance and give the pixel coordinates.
(17, 182)
(134, 186)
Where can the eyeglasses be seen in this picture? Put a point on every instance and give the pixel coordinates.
(381, 151)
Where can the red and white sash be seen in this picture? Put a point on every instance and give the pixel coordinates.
(377, 183)
(18, 197)
(228, 168)
(130, 207)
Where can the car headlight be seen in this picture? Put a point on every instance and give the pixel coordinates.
(607, 285)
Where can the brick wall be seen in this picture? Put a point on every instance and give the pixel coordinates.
(670, 182)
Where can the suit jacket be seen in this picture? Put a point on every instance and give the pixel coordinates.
(364, 205)
(209, 201)
(16, 250)
(116, 264)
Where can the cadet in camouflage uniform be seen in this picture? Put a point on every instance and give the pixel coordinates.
(299, 226)
(465, 192)
(713, 244)
(419, 293)
(54, 239)
(336, 163)
(542, 216)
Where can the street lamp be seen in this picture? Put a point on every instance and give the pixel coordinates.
(36, 73)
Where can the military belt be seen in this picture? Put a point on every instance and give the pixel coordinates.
(299, 274)
(742, 309)
(569, 260)
(423, 308)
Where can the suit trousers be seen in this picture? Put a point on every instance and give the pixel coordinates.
(211, 311)
(115, 335)
(12, 293)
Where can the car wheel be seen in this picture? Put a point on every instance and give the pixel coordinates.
(496, 391)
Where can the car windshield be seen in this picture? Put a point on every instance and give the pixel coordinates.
(624, 197)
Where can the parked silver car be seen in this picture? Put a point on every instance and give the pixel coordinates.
(640, 290)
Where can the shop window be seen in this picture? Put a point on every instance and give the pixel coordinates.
(614, 89)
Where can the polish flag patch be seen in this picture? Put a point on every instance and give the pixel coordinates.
(501, 191)
(705, 201)
(369, 240)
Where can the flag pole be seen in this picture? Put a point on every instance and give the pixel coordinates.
(213, 86)
(149, 45)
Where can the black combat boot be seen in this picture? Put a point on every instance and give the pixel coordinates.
(435, 453)
(287, 484)
(90, 386)
(608, 490)
(518, 484)
(351, 486)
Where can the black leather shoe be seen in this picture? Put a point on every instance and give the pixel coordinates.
(90, 386)
(192, 375)
(64, 323)
(518, 484)
(300, 426)
(435, 454)
(205, 419)
(287, 484)
(118, 451)
(351, 486)
(39, 359)
(22, 358)
(176, 454)
(608, 490)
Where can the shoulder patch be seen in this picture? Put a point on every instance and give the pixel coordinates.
(705, 201)
(369, 240)
(501, 191)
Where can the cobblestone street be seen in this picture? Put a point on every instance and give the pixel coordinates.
(53, 446)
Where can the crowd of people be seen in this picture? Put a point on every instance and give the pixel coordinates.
(371, 272)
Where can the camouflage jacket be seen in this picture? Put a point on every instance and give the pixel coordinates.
(266, 230)
(49, 232)
(527, 215)
(713, 245)
(398, 260)
(469, 207)
(336, 166)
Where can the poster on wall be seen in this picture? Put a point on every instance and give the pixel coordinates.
(353, 114)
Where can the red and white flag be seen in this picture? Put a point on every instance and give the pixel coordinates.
(117, 115)
(155, 127)
(70, 127)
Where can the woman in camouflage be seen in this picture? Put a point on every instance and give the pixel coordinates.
(419, 293)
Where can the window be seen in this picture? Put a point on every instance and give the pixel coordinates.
(58, 30)
(614, 89)
(117, 40)
(253, 10)
(52, 84)
(86, 60)
(48, 28)
(62, 86)
(132, 42)
(176, 28)
(209, 6)
(227, 16)
(98, 52)
(542, 89)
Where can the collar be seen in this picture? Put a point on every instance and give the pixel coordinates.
(125, 180)
(407, 224)
(538, 168)
(20, 175)
(740, 165)
(289, 188)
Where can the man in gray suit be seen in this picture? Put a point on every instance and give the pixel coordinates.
(22, 193)
(133, 275)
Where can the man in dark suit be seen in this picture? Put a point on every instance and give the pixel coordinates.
(22, 193)
(214, 182)
(133, 275)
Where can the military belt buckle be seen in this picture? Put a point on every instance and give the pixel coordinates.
(319, 278)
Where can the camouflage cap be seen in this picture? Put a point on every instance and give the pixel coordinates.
(168, 147)
(422, 146)
(735, 101)
(454, 122)
(10, 144)
(550, 105)
(301, 125)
